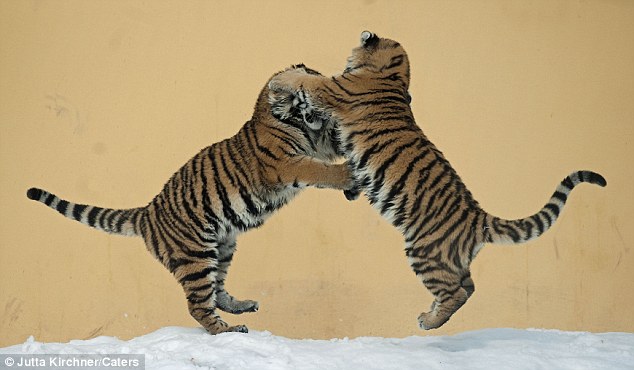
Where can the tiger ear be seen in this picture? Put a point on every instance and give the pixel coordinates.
(368, 38)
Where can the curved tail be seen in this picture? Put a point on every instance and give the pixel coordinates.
(115, 221)
(518, 231)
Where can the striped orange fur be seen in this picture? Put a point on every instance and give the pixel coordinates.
(406, 178)
(226, 189)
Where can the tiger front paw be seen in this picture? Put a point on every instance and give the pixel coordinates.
(286, 81)
(239, 307)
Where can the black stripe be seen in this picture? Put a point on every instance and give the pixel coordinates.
(201, 254)
(561, 196)
(175, 220)
(539, 223)
(246, 198)
(62, 205)
(78, 210)
(435, 281)
(227, 209)
(261, 148)
(429, 215)
(424, 174)
(400, 212)
(447, 232)
(388, 131)
(136, 220)
(262, 165)
(421, 268)
(345, 77)
(348, 92)
(382, 101)
(92, 216)
(454, 252)
(163, 232)
(527, 226)
(207, 209)
(441, 206)
(175, 263)
(375, 148)
(549, 219)
(193, 297)
(396, 61)
(110, 221)
(379, 175)
(49, 199)
(510, 231)
(102, 217)
(111, 218)
(125, 216)
(199, 227)
(223, 162)
(400, 183)
(438, 222)
(293, 145)
(192, 189)
(236, 183)
(238, 164)
(153, 239)
(420, 229)
(201, 287)
(553, 208)
(197, 275)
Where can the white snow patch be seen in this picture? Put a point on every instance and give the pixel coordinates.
(193, 348)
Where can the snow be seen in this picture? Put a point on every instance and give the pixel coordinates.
(192, 348)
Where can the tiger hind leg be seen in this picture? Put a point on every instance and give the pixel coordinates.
(451, 286)
(225, 301)
(199, 283)
(450, 295)
(466, 283)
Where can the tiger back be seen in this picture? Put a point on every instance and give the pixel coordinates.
(226, 189)
(407, 179)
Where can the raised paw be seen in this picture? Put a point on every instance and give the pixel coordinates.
(286, 81)
(239, 307)
(231, 305)
(276, 85)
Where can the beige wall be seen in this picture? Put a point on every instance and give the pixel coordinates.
(100, 101)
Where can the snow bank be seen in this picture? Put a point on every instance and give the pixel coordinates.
(192, 348)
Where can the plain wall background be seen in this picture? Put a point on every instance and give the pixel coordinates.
(101, 101)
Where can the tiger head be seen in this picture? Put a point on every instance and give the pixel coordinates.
(292, 110)
(381, 56)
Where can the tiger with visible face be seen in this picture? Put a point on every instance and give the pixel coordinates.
(226, 189)
(406, 178)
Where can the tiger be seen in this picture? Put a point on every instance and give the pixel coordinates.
(226, 189)
(406, 178)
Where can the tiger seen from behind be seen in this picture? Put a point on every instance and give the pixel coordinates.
(226, 189)
(406, 178)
